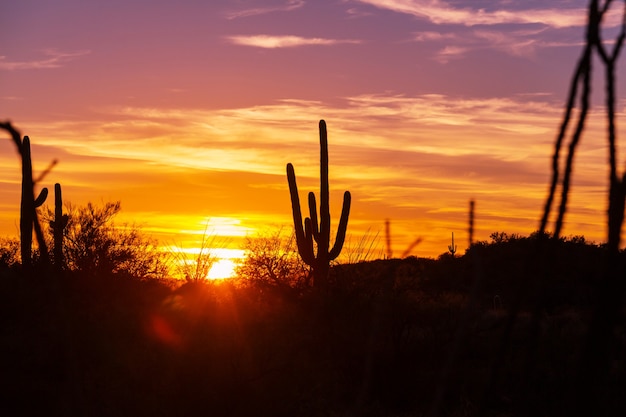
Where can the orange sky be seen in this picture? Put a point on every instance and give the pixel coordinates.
(187, 112)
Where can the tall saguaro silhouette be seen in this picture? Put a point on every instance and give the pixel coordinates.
(312, 231)
(29, 204)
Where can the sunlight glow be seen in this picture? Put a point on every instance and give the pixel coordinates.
(222, 269)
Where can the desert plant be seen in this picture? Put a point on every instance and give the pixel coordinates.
(272, 260)
(470, 228)
(196, 269)
(320, 261)
(58, 226)
(452, 247)
(610, 289)
(29, 204)
(9, 252)
(95, 245)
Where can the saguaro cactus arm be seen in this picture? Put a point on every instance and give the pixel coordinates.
(304, 238)
(343, 226)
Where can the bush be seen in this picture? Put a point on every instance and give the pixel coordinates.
(272, 260)
(95, 245)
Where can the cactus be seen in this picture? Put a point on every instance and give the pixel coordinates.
(388, 238)
(28, 207)
(320, 262)
(29, 204)
(471, 223)
(452, 247)
(58, 226)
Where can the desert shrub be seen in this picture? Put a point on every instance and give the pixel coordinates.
(272, 260)
(196, 267)
(9, 252)
(95, 245)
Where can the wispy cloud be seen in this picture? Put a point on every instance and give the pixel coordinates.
(272, 42)
(285, 6)
(450, 53)
(433, 36)
(525, 42)
(417, 159)
(442, 12)
(246, 138)
(53, 59)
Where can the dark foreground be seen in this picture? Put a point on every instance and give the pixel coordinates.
(497, 332)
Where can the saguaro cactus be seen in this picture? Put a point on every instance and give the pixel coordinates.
(28, 207)
(470, 230)
(452, 247)
(58, 226)
(305, 235)
(29, 204)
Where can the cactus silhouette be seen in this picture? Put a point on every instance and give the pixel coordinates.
(312, 231)
(58, 226)
(452, 247)
(471, 223)
(29, 204)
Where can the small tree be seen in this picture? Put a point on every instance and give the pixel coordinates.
(272, 260)
(95, 245)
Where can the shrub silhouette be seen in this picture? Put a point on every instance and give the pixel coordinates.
(272, 260)
(95, 245)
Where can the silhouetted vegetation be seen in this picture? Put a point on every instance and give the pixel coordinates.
(517, 326)
(610, 289)
(272, 260)
(311, 231)
(373, 343)
(29, 220)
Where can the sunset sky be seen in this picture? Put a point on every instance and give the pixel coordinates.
(188, 112)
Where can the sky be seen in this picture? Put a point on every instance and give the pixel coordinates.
(188, 112)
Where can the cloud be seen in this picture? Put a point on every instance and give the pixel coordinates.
(247, 138)
(272, 42)
(414, 159)
(450, 52)
(522, 43)
(433, 36)
(55, 59)
(288, 6)
(442, 12)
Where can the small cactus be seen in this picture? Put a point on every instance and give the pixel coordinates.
(471, 223)
(58, 226)
(305, 235)
(452, 247)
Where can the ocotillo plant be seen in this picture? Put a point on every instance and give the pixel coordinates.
(452, 247)
(29, 204)
(409, 248)
(58, 226)
(320, 261)
(595, 365)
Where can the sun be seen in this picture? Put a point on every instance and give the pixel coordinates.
(223, 268)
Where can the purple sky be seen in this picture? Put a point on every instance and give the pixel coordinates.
(190, 110)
